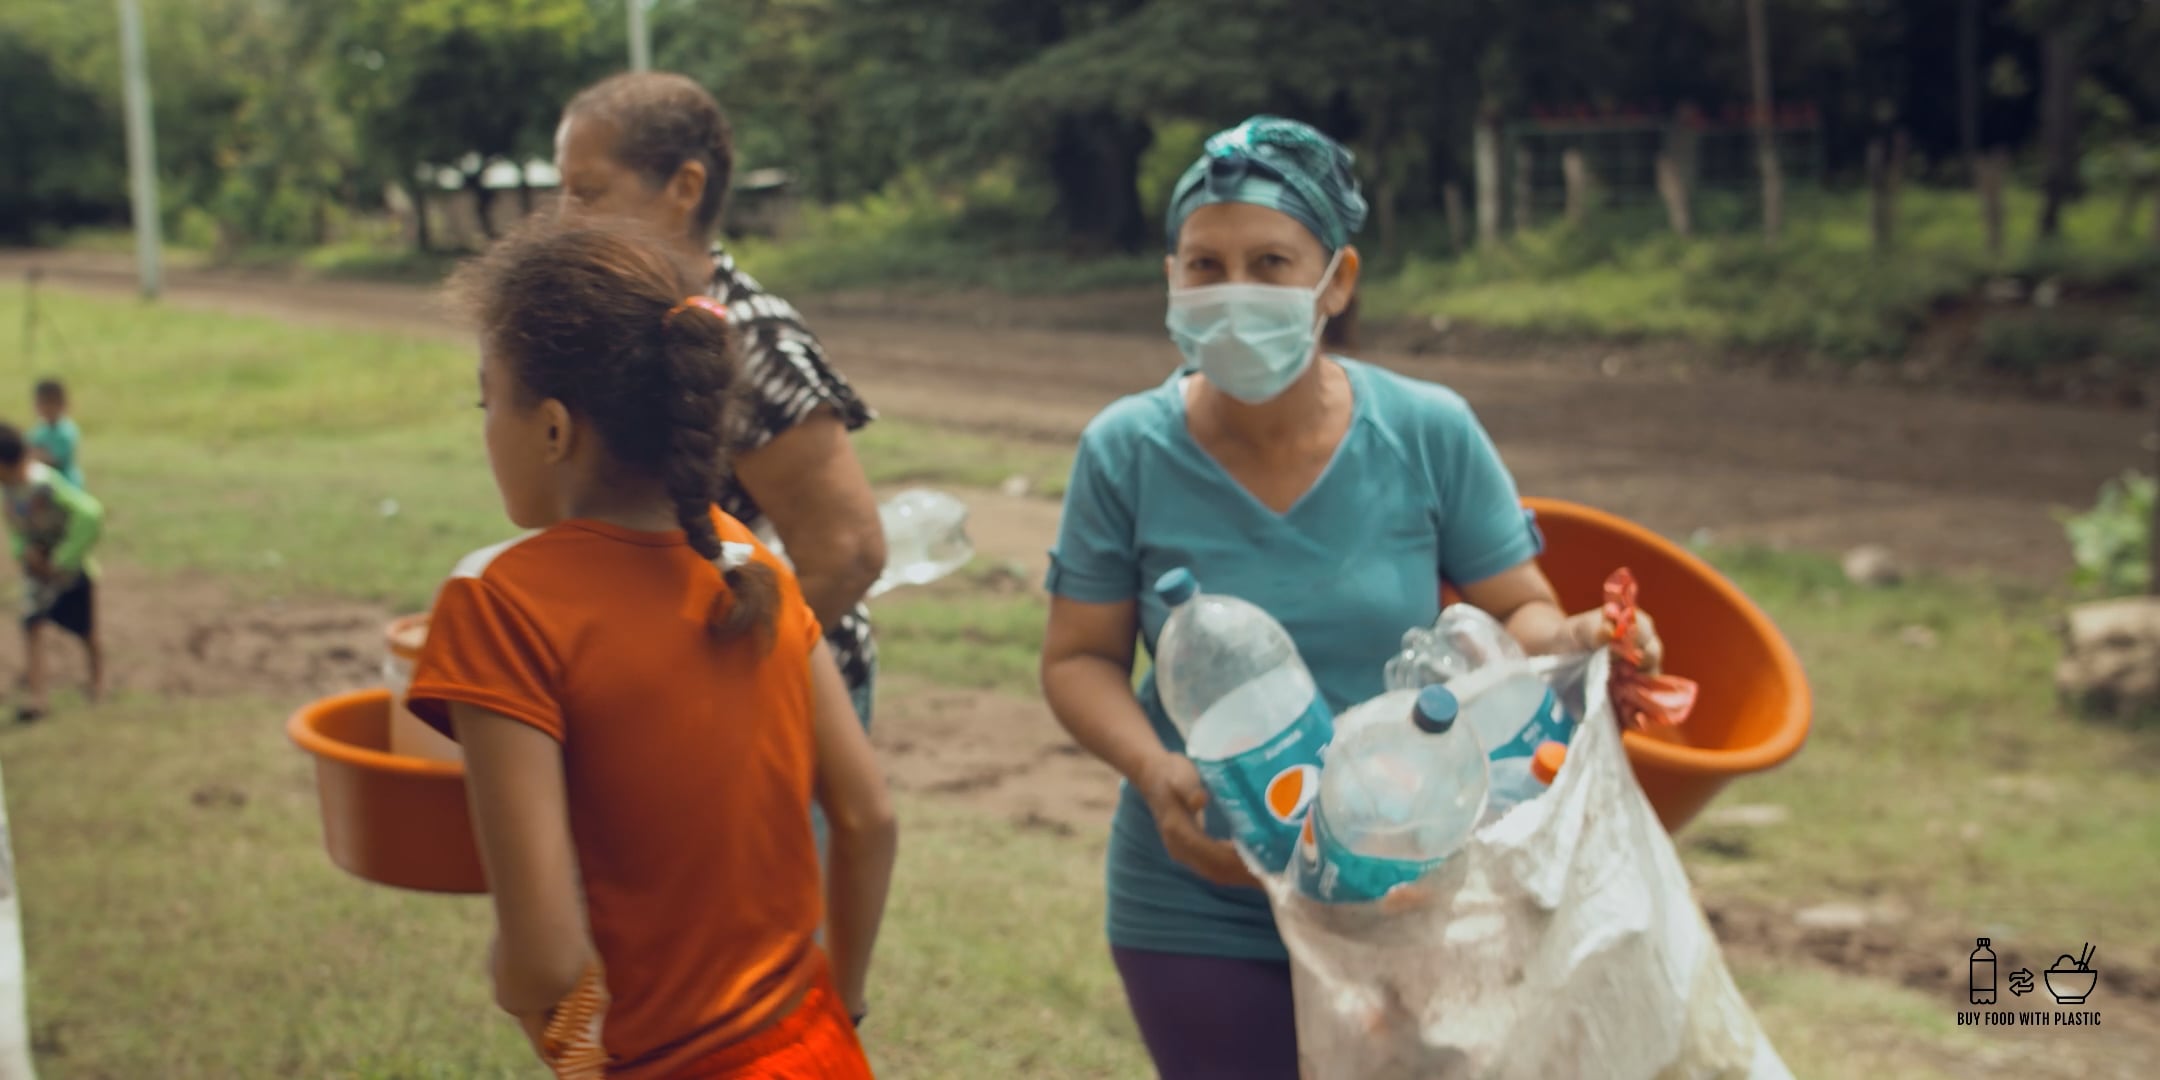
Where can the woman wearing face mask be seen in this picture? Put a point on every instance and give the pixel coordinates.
(1336, 495)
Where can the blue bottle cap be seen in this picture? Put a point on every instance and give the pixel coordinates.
(1436, 710)
(1177, 586)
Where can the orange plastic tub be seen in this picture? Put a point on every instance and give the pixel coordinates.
(1755, 706)
(388, 818)
(409, 735)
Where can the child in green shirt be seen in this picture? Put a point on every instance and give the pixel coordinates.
(54, 524)
(56, 438)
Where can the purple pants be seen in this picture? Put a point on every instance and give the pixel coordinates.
(1210, 1018)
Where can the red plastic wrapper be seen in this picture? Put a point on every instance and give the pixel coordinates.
(1640, 699)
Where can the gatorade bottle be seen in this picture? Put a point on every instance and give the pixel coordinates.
(1254, 724)
(1397, 798)
(1518, 780)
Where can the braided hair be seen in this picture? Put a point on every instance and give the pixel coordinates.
(594, 318)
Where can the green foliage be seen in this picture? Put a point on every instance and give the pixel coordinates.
(2112, 542)
(1822, 289)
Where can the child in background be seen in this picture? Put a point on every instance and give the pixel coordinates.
(53, 525)
(56, 438)
(644, 701)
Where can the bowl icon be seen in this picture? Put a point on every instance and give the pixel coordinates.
(2068, 984)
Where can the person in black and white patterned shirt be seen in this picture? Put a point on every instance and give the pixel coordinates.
(656, 148)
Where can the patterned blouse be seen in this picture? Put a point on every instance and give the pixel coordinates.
(788, 380)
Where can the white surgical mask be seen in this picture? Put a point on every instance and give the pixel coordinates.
(1251, 341)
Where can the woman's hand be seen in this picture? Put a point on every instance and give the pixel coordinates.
(1171, 786)
(1585, 631)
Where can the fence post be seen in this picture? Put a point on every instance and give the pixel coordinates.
(1993, 167)
(1580, 184)
(1524, 161)
(1485, 152)
(1672, 186)
(1451, 197)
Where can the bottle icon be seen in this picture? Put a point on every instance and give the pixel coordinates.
(1982, 983)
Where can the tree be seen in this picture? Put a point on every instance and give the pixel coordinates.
(435, 82)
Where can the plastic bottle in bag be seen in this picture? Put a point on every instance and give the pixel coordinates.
(1402, 790)
(1518, 780)
(1464, 639)
(1254, 723)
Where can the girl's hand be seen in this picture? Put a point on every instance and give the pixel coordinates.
(1171, 786)
(1585, 631)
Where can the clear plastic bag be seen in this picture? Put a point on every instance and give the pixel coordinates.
(1562, 940)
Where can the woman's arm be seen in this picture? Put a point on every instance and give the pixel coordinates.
(1087, 667)
(521, 819)
(1522, 598)
(810, 484)
(865, 836)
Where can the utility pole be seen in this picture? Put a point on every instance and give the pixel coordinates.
(141, 148)
(640, 43)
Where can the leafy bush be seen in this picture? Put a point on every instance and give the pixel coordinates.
(2112, 542)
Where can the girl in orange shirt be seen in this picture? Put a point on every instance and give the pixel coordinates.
(645, 702)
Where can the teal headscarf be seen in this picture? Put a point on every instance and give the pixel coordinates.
(1280, 164)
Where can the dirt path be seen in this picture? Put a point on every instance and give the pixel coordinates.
(1946, 482)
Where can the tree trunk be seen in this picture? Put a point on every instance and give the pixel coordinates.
(1095, 168)
(1451, 199)
(420, 191)
(1673, 188)
(1524, 161)
(1487, 154)
(1766, 155)
(1993, 169)
(1580, 185)
(525, 193)
(483, 201)
(1968, 68)
(2058, 116)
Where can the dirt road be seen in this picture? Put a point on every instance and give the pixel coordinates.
(1946, 482)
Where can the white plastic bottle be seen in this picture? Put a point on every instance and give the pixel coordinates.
(1401, 791)
(1254, 723)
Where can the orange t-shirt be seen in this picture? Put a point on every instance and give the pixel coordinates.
(688, 761)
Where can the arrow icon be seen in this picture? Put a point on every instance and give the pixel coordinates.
(2021, 981)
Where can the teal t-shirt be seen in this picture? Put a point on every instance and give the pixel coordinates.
(1415, 495)
(60, 442)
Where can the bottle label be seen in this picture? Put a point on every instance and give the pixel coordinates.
(1331, 873)
(1550, 723)
(1259, 797)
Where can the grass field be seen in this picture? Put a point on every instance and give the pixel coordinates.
(183, 922)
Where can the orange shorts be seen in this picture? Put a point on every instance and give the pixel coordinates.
(815, 1042)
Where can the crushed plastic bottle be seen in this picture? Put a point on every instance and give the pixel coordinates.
(1254, 723)
(1464, 639)
(925, 539)
(1401, 791)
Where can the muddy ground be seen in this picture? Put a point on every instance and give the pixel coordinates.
(1948, 482)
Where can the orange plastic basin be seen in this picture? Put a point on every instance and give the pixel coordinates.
(387, 818)
(1755, 706)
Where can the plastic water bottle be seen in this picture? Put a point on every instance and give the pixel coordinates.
(925, 539)
(1518, 780)
(1402, 790)
(1464, 639)
(1254, 724)
(1512, 710)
